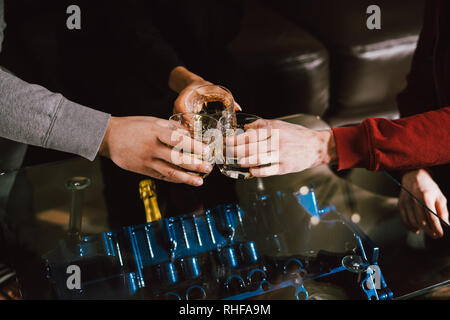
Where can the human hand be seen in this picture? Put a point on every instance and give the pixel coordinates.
(144, 145)
(183, 81)
(274, 147)
(421, 184)
(179, 105)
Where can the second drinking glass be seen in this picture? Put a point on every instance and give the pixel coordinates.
(232, 125)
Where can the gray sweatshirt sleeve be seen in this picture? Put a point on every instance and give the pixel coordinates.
(33, 115)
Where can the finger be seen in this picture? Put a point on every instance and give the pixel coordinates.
(151, 173)
(249, 136)
(442, 209)
(433, 224)
(260, 123)
(184, 160)
(404, 214)
(181, 141)
(410, 215)
(163, 123)
(250, 149)
(243, 150)
(179, 106)
(260, 159)
(173, 174)
(420, 217)
(268, 171)
(421, 220)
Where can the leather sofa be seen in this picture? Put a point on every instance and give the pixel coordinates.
(318, 57)
(288, 67)
(336, 67)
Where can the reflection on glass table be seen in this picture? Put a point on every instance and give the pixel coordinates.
(312, 235)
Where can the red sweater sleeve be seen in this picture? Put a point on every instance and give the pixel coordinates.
(413, 142)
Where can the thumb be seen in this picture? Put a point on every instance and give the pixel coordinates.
(442, 210)
(179, 105)
(260, 123)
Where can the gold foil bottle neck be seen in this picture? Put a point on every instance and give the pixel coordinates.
(147, 191)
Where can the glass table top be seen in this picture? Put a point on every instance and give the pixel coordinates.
(318, 234)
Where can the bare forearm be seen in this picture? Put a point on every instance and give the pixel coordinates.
(180, 78)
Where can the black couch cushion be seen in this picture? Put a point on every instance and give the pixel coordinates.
(286, 66)
(368, 67)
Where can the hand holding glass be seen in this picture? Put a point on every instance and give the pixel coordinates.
(195, 127)
(213, 100)
(228, 161)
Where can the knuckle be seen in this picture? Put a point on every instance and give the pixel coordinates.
(428, 195)
(176, 137)
(169, 179)
(412, 220)
(157, 175)
(171, 173)
(261, 121)
(198, 167)
(148, 163)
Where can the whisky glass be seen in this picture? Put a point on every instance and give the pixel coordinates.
(213, 100)
(200, 127)
(232, 125)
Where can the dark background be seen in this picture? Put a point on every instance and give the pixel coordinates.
(277, 57)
